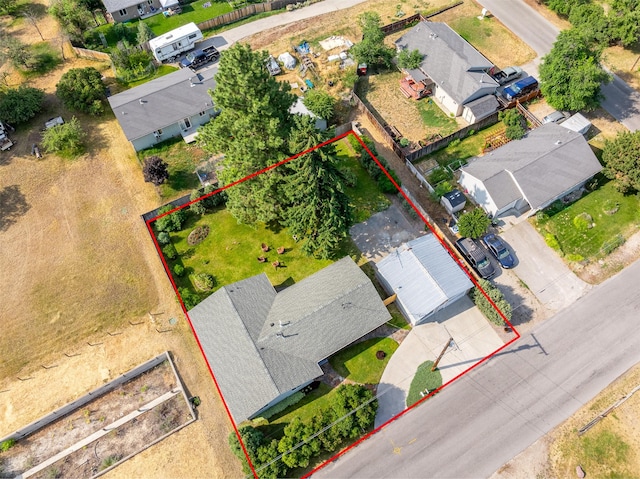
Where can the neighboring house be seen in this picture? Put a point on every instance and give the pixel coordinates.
(547, 164)
(460, 74)
(172, 105)
(125, 10)
(298, 108)
(424, 276)
(264, 345)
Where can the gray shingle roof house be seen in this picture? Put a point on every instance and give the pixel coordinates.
(124, 10)
(424, 276)
(459, 71)
(263, 346)
(172, 105)
(547, 164)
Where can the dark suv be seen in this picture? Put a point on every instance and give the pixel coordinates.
(477, 256)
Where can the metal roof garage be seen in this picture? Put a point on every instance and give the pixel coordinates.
(424, 277)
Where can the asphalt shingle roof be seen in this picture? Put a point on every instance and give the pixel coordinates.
(542, 166)
(261, 344)
(115, 5)
(162, 102)
(448, 59)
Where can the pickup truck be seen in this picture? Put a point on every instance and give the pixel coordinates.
(200, 57)
(520, 88)
(508, 74)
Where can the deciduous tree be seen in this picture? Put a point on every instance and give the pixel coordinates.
(21, 104)
(624, 19)
(514, 122)
(66, 139)
(621, 157)
(82, 89)
(251, 131)
(155, 170)
(571, 75)
(474, 223)
(372, 49)
(409, 59)
(74, 17)
(320, 103)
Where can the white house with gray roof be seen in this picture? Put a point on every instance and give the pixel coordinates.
(424, 277)
(125, 10)
(172, 105)
(530, 174)
(460, 73)
(263, 345)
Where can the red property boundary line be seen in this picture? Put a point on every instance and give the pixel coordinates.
(458, 261)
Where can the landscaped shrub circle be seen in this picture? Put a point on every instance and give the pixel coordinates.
(583, 221)
(203, 281)
(198, 235)
(381, 355)
(610, 207)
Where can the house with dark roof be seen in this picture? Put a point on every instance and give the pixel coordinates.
(530, 174)
(172, 105)
(424, 277)
(460, 75)
(264, 345)
(125, 10)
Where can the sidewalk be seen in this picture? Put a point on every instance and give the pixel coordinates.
(474, 339)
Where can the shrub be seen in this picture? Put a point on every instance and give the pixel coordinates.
(6, 445)
(610, 207)
(474, 223)
(610, 246)
(169, 251)
(552, 242)
(21, 104)
(574, 257)
(486, 307)
(172, 222)
(471, 132)
(155, 170)
(67, 139)
(454, 143)
(163, 238)
(189, 298)
(385, 184)
(514, 122)
(404, 142)
(178, 270)
(439, 174)
(198, 235)
(583, 222)
(82, 89)
(203, 281)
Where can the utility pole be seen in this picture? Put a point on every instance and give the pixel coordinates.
(444, 350)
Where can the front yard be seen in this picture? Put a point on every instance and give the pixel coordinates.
(592, 227)
(193, 12)
(361, 362)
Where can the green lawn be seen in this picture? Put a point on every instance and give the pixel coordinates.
(366, 197)
(397, 319)
(162, 70)
(193, 12)
(471, 146)
(424, 379)
(575, 240)
(433, 117)
(182, 160)
(359, 362)
(231, 250)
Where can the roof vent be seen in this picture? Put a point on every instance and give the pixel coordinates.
(142, 102)
(559, 142)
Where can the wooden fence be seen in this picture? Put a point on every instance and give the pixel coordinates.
(244, 12)
(93, 54)
(415, 18)
(382, 129)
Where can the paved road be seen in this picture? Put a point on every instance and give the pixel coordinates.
(496, 411)
(621, 101)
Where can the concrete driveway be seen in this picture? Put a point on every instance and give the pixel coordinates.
(474, 338)
(542, 270)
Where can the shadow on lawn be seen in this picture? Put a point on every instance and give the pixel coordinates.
(13, 205)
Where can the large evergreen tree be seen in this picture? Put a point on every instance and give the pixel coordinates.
(318, 208)
(621, 157)
(251, 131)
(571, 75)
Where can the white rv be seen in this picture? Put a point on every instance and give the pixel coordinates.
(173, 43)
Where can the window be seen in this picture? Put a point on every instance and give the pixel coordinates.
(157, 133)
(150, 2)
(202, 113)
(186, 124)
(122, 12)
(192, 36)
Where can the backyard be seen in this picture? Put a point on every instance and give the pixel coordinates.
(182, 160)
(195, 12)
(592, 227)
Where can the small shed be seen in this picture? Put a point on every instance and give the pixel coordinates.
(577, 123)
(424, 277)
(453, 201)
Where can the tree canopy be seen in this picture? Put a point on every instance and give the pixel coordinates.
(320, 103)
(66, 139)
(372, 49)
(155, 170)
(409, 59)
(486, 307)
(621, 157)
(73, 15)
(474, 223)
(317, 208)
(571, 75)
(82, 89)
(251, 131)
(514, 122)
(21, 104)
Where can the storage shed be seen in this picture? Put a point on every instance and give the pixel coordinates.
(424, 276)
(453, 201)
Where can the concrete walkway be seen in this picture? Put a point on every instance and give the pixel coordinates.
(474, 339)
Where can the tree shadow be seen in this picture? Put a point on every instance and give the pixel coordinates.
(521, 312)
(13, 205)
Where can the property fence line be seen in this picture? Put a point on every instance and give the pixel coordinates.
(362, 108)
(528, 115)
(423, 181)
(92, 54)
(90, 396)
(344, 128)
(183, 200)
(417, 17)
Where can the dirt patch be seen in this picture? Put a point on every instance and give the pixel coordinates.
(597, 271)
(624, 62)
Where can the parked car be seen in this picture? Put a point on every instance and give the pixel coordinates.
(498, 249)
(508, 74)
(555, 117)
(520, 88)
(476, 256)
